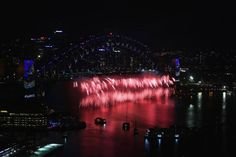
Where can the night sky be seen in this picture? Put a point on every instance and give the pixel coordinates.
(159, 25)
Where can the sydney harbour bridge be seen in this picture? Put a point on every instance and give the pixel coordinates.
(107, 69)
(98, 54)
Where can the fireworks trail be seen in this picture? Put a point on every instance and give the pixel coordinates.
(104, 90)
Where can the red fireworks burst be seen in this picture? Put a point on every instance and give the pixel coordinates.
(109, 90)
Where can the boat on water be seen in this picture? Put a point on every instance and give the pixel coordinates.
(126, 126)
(135, 128)
(100, 121)
(135, 131)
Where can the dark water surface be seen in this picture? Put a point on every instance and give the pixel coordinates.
(215, 115)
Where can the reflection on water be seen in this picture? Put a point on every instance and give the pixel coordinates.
(112, 97)
(199, 100)
(146, 111)
(223, 115)
(144, 108)
(199, 108)
(190, 116)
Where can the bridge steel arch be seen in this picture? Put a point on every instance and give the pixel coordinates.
(99, 54)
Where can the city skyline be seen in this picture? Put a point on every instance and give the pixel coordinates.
(117, 79)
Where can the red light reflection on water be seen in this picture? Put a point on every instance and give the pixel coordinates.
(144, 98)
(146, 112)
(113, 97)
(110, 139)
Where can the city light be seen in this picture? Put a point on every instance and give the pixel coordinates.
(191, 78)
(3, 111)
(191, 106)
(58, 31)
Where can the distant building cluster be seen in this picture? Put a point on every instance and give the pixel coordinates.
(200, 65)
(58, 57)
(22, 120)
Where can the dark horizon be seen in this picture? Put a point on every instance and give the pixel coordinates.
(165, 26)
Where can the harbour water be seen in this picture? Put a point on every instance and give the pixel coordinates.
(213, 115)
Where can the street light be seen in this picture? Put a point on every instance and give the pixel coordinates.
(39, 56)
